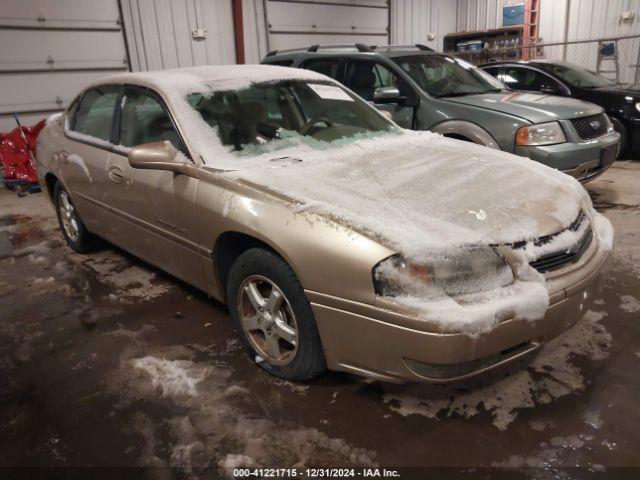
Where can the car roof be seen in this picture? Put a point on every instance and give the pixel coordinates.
(228, 76)
(389, 51)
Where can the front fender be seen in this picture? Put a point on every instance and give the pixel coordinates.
(473, 132)
(327, 256)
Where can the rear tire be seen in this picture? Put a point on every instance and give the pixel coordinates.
(73, 229)
(273, 316)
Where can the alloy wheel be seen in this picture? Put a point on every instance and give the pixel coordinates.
(68, 216)
(268, 320)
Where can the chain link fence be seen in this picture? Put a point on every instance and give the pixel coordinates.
(615, 58)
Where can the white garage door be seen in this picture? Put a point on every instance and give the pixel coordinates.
(50, 50)
(301, 23)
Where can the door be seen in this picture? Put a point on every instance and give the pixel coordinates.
(365, 76)
(154, 208)
(51, 51)
(304, 22)
(86, 150)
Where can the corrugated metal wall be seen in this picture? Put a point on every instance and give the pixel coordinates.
(480, 14)
(416, 21)
(160, 33)
(587, 18)
(301, 23)
(255, 37)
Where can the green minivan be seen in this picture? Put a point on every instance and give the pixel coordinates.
(425, 90)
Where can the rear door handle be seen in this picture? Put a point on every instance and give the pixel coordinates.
(115, 174)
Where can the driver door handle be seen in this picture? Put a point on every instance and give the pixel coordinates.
(115, 174)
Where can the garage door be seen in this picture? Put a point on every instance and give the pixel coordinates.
(300, 23)
(50, 50)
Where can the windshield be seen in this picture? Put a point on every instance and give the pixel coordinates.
(576, 76)
(264, 113)
(447, 77)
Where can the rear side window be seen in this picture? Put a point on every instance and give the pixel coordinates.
(331, 67)
(281, 63)
(494, 71)
(94, 115)
(145, 120)
(523, 78)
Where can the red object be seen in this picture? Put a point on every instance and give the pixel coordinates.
(17, 154)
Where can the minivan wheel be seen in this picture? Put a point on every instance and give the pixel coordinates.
(74, 231)
(274, 317)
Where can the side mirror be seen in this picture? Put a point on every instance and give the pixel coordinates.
(388, 95)
(159, 156)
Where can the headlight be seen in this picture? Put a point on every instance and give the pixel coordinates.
(638, 106)
(541, 134)
(465, 271)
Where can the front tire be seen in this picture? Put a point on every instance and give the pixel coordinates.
(73, 229)
(274, 317)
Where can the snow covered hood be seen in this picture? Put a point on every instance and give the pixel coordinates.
(422, 193)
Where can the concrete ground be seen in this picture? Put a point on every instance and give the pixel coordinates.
(108, 362)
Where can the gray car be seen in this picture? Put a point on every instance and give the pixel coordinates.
(425, 90)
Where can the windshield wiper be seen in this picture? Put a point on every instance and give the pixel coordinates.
(455, 94)
(463, 94)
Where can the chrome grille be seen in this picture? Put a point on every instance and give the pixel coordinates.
(590, 127)
(554, 260)
(560, 258)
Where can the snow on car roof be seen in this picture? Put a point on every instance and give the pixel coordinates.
(214, 77)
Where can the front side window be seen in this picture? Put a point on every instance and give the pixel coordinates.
(442, 76)
(94, 114)
(144, 120)
(294, 110)
(363, 77)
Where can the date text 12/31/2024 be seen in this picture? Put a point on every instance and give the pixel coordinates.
(315, 473)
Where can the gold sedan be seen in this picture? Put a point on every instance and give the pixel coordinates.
(337, 239)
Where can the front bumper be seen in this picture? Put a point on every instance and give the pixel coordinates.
(582, 160)
(382, 344)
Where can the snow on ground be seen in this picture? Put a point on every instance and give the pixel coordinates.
(629, 303)
(547, 458)
(592, 418)
(129, 283)
(552, 374)
(172, 377)
(211, 423)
